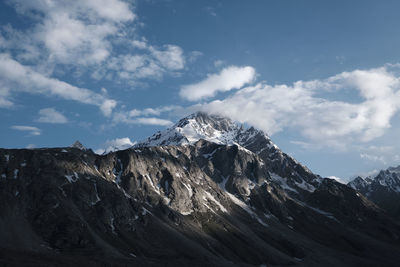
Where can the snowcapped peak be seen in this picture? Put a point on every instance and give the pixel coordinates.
(394, 169)
(389, 178)
(200, 125)
(359, 183)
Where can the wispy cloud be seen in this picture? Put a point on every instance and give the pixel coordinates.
(24, 79)
(32, 130)
(145, 116)
(232, 77)
(50, 115)
(384, 154)
(152, 121)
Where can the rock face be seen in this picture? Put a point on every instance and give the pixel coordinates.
(383, 189)
(227, 197)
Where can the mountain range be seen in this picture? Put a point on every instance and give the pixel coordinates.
(204, 192)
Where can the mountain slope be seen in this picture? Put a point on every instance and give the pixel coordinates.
(221, 130)
(203, 203)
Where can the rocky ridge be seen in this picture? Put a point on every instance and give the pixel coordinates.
(231, 200)
(382, 189)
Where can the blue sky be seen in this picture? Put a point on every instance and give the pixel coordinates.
(320, 77)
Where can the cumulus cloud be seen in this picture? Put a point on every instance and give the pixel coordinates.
(75, 32)
(32, 130)
(90, 36)
(304, 106)
(153, 62)
(96, 39)
(229, 78)
(24, 79)
(50, 115)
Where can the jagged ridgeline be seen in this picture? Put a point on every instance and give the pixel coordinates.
(383, 189)
(205, 192)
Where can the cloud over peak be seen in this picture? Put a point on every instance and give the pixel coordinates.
(306, 106)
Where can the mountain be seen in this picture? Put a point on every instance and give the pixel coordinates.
(383, 189)
(78, 145)
(221, 130)
(205, 192)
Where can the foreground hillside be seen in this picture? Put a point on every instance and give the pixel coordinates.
(205, 192)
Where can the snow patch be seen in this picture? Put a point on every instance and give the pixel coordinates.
(210, 155)
(146, 211)
(151, 183)
(112, 225)
(282, 182)
(97, 195)
(185, 213)
(189, 188)
(305, 186)
(211, 197)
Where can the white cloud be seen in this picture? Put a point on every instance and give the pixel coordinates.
(229, 78)
(218, 63)
(373, 157)
(144, 116)
(386, 155)
(115, 144)
(153, 62)
(32, 130)
(5, 102)
(152, 121)
(194, 55)
(24, 79)
(90, 34)
(84, 38)
(126, 118)
(171, 57)
(50, 115)
(75, 32)
(92, 39)
(301, 106)
(211, 11)
(151, 111)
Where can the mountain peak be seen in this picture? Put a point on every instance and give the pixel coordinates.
(200, 125)
(78, 145)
